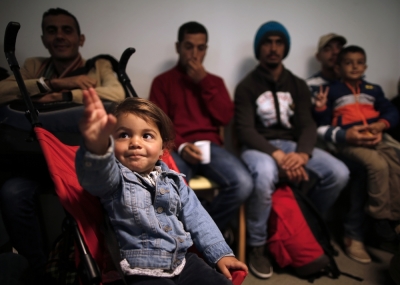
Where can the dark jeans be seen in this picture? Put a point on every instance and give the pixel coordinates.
(13, 269)
(18, 204)
(230, 174)
(357, 196)
(195, 272)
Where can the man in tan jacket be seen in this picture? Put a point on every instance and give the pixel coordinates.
(53, 80)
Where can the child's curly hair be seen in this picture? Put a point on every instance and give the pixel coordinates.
(149, 112)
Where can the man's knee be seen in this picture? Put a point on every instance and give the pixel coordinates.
(17, 189)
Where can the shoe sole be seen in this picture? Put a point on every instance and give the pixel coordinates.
(259, 274)
(361, 260)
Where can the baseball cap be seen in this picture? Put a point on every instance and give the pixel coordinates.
(323, 40)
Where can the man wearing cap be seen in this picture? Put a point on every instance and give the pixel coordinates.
(329, 46)
(276, 129)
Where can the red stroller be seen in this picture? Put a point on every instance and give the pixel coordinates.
(100, 262)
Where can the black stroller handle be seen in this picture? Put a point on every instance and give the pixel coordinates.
(123, 77)
(125, 57)
(10, 38)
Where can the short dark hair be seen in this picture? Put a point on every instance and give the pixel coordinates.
(350, 49)
(191, 28)
(60, 11)
(150, 113)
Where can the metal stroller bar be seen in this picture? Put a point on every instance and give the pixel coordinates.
(10, 38)
(123, 77)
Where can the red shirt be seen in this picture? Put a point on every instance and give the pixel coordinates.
(196, 110)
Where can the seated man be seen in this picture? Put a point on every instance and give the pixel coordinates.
(199, 105)
(329, 46)
(276, 129)
(57, 78)
(61, 77)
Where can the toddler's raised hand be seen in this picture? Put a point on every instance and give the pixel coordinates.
(95, 125)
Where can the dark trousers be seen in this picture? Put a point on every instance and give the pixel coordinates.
(18, 204)
(195, 272)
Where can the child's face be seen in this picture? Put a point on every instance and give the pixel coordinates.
(138, 144)
(352, 66)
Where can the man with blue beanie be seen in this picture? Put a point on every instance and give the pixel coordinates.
(277, 133)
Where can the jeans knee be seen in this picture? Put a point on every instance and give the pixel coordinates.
(245, 185)
(342, 176)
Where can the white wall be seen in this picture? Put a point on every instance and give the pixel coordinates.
(151, 27)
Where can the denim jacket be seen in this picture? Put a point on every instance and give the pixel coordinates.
(154, 225)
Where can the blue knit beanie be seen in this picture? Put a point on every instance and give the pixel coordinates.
(268, 29)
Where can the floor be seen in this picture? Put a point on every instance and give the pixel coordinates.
(374, 273)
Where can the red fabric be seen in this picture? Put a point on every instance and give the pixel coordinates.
(196, 110)
(291, 241)
(84, 207)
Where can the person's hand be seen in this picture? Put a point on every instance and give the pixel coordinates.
(83, 82)
(292, 164)
(322, 97)
(378, 138)
(361, 136)
(191, 154)
(377, 127)
(297, 175)
(47, 98)
(294, 160)
(95, 125)
(195, 70)
(227, 263)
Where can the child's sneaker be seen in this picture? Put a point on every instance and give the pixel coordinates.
(356, 250)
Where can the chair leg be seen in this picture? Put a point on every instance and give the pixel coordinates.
(242, 235)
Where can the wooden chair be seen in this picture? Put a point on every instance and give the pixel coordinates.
(208, 189)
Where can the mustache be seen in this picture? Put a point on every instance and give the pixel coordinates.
(272, 53)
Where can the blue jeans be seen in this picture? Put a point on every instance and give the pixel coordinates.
(332, 178)
(230, 174)
(18, 204)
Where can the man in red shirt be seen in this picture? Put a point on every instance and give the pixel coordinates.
(198, 104)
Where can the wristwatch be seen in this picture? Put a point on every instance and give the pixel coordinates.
(67, 96)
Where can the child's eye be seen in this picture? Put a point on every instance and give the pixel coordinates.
(123, 135)
(147, 136)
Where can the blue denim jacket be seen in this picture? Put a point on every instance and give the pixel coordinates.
(154, 225)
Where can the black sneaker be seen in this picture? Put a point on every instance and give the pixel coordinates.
(259, 263)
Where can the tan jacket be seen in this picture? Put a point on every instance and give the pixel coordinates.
(109, 88)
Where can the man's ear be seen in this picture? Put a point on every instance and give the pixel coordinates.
(177, 47)
(81, 40)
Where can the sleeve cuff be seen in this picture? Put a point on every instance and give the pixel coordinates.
(385, 122)
(181, 147)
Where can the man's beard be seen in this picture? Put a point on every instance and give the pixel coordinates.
(272, 65)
